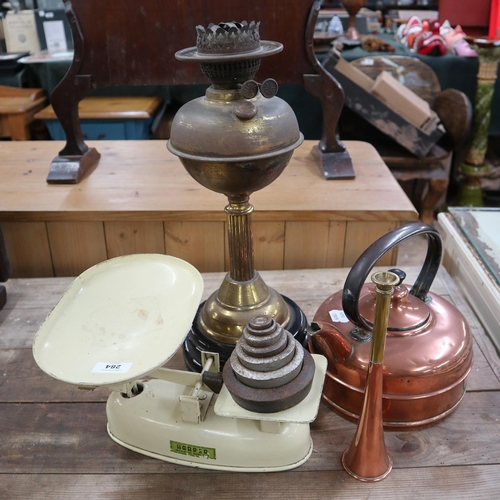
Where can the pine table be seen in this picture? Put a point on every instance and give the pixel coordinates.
(141, 199)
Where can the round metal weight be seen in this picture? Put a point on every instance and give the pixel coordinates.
(271, 400)
(270, 372)
(264, 350)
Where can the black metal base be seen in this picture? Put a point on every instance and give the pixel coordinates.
(196, 341)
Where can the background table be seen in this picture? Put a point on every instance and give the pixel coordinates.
(140, 199)
(55, 446)
(17, 110)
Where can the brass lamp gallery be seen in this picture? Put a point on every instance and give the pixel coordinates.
(235, 140)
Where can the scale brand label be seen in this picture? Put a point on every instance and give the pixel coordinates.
(111, 367)
(338, 316)
(192, 450)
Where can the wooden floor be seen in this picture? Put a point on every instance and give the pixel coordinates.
(54, 443)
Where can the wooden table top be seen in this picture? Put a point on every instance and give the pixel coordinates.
(139, 107)
(142, 178)
(55, 445)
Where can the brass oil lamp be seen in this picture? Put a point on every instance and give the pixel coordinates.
(235, 140)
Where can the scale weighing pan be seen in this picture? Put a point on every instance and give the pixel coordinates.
(119, 320)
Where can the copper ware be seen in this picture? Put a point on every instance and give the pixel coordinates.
(429, 345)
(352, 7)
(366, 458)
(235, 140)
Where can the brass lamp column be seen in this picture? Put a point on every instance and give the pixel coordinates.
(235, 140)
(240, 239)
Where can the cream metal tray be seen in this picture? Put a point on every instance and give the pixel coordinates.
(119, 320)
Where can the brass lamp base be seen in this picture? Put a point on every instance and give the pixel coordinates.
(197, 340)
(229, 309)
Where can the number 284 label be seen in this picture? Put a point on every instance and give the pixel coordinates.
(192, 450)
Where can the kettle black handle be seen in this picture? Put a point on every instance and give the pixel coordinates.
(362, 267)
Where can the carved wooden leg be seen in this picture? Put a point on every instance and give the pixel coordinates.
(76, 158)
(437, 189)
(331, 155)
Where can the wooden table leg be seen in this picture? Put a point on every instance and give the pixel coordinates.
(18, 126)
(437, 188)
(5, 270)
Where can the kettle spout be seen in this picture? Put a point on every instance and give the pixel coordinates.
(328, 341)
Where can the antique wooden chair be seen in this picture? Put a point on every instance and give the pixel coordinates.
(424, 179)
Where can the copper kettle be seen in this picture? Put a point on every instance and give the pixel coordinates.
(428, 352)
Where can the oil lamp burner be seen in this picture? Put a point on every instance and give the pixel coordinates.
(235, 140)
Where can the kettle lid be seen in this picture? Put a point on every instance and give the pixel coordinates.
(407, 313)
(415, 310)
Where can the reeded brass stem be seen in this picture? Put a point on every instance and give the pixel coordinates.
(241, 257)
(366, 458)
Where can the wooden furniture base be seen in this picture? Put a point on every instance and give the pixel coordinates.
(71, 169)
(141, 199)
(431, 172)
(334, 165)
(333, 160)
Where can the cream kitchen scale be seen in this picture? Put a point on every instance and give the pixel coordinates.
(118, 324)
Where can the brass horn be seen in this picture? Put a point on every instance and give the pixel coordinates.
(366, 459)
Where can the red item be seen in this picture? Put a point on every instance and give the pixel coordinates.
(494, 31)
(430, 43)
(472, 15)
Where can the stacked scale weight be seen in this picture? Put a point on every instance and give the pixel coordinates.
(268, 371)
